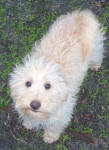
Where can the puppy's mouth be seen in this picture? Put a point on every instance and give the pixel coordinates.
(38, 111)
(27, 110)
(41, 115)
(35, 110)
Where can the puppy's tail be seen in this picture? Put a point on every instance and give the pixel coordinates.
(88, 31)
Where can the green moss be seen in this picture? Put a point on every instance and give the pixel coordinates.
(87, 130)
(104, 133)
(23, 134)
(83, 147)
(49, 17)
(65, 138)
(106, 117)
(61, 147)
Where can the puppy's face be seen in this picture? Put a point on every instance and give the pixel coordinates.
(38, 88)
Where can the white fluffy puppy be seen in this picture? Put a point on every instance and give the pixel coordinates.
(44, 87)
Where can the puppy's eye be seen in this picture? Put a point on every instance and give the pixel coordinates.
(47, 86)
(28, 84)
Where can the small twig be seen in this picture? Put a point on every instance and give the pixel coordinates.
(81, 136)
(86, 138)
(23, 141)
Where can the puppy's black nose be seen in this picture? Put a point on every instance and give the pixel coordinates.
(35, 105)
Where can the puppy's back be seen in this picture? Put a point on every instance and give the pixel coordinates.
(72, 37)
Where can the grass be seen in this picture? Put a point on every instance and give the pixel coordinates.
(25, 35)
(61, 147)
(19, 31)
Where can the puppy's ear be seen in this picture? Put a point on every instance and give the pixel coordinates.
(12, 93)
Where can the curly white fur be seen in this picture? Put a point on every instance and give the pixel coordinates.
(73, 44)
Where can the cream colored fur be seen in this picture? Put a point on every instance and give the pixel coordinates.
(72, 44)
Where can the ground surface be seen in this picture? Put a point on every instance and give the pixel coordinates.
(21, 23)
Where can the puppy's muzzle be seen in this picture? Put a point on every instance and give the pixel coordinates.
(35, 105)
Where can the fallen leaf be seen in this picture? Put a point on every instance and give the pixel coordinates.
(87, 116)
(76, 121)
(101, 3)
(83, 101)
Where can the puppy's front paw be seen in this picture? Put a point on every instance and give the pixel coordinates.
(50, 137)
(27, 125)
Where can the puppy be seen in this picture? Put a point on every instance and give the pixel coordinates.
(44, 87)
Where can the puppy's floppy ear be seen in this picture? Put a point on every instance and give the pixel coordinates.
(13, 93)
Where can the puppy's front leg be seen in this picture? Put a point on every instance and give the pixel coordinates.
(51, 134)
